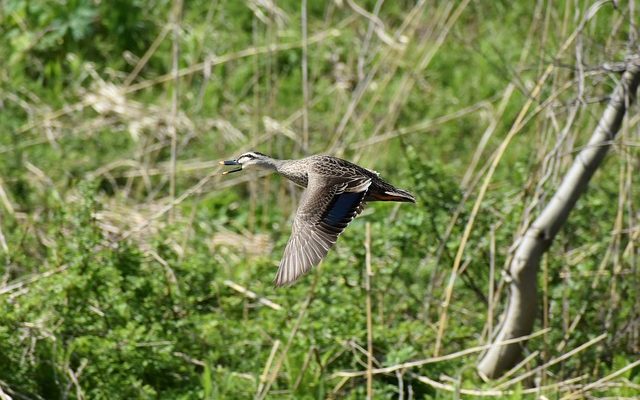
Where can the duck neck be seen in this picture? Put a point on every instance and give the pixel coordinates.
(293, 170)
(277, 165)
(268, 164)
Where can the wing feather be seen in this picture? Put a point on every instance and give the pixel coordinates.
(324, 212)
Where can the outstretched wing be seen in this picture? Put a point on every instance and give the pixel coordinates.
(326, 208)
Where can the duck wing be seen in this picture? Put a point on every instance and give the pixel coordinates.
(327, 206)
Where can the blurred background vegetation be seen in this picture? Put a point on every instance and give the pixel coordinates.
(131, 269)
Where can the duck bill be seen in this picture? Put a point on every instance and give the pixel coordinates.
(231, 162)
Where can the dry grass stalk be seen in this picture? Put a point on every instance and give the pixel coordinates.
(108, 99)
(249, 244)
(147, 55)
(3, 243)
(305, 79)
(525, 360)
(492, 273)
(364, 51)
(252, 295)
(4, 395)
(261, 394)
(431, 360)
(554, 361)
(421, 127)
(170, 275)
(176, 15)
(27, 280)
(367, 285)
(305, 364)
(267, 11)
(267, 367)
(484, 140)
(339, 386)
(75, 378)
(599, 383)
(197, 362)
(379, 26)
(560, 386)
(5, 199)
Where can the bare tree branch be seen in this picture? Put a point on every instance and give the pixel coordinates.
(519, 316)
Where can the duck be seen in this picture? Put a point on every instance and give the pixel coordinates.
(336, 191)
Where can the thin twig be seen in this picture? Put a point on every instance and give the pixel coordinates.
(367, 284)
(492, 269)
(305, 80)
(484, 140)
(24, 281)
(431, 360)
(176, 14)
(294, 330)
(267, 367)
(552, 362)
(600, 381)
(252, 295)
(493, 392)
(5, 199)
(147, 55)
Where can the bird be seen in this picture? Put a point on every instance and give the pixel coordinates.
(336, 191)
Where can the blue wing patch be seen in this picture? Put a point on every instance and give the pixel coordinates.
(343, 207)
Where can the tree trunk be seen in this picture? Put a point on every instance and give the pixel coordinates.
(519, 316)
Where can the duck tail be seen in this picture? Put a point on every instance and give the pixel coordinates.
(394, 195)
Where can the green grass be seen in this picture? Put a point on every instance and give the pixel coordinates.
(86, 313)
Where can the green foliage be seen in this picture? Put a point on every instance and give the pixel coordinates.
(43, 36)
(105, 295)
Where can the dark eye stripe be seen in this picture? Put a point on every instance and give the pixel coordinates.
(254, 155)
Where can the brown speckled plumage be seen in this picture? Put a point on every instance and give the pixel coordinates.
(336, 191)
